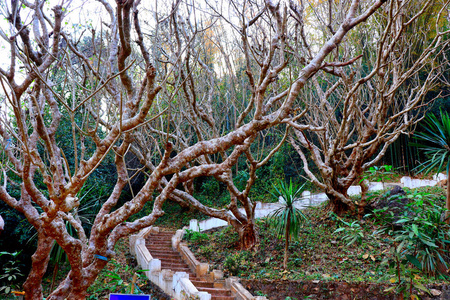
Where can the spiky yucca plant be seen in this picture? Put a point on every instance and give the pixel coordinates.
(435, 143)
(287, 219)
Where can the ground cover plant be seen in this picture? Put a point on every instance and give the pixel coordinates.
(386, 249)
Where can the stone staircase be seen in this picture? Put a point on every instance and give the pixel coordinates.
(160, 247)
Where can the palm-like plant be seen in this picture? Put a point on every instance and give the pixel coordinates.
(436, 146)
(287, 219)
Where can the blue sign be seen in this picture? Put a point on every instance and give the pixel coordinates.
(128, 297)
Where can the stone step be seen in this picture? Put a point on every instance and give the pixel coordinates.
(158, 240)
(222, 297)
(179, 269)
(213, 297)
(164, 234)
(199, 283)
(163, 251)
(164, 238)
(158, 248)
(159, 243)
(162, 257)
(165, 247)
(215, 291)
(169, 260)
(171, 265)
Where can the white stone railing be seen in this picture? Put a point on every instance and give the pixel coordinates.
(308, 199)
(238, 290)
(185, 289)
(202, 270)
(175, 284)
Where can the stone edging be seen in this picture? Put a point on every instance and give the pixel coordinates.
(308, 199)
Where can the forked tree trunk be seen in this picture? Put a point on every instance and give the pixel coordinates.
(248, 236)
(337, 206)
(340, 203)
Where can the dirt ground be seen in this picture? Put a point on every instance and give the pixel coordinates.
(280, 289)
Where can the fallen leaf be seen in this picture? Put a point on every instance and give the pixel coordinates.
(365, 256)
(435, 292)
(370, 247)
(417, 277)
(267, 260)
(392, 280)
(372, 257)
(326, 276)
(315, 281)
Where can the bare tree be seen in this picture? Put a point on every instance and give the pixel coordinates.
(376, 94)
(156, 98)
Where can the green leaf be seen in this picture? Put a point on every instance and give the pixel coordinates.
(415, 229)
(400, 247)
(431, 244)
(412, 259)
(401, 221)
(390, 289)
(421, 287)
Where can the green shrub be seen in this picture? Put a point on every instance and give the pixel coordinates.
(421, 240)
(352, 232)
(10, 273)
(195, 237)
